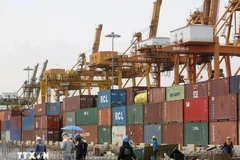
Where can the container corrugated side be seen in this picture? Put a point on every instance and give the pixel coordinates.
(40, 109)
(136, 133)
(175, 93)
(119, 115)
(223, 107)
(49, 134)
(219, 131)
(172, 133)
(122, 99)
(235, 84)
(16, 122)
(152, 130)
(2, 116)
(47, 122)
(104, 134)
(118, 132)
(3, 125)
(157, 95)
(214, 88)
(15, 135)
(172, 111)
(135, 114)
(28, 135)
(108, 98)
(71, 103)
(196, 109)
(90, 133)
(53, 108)
(196, 133)
(86, 116)
(28, 123)
(8, 124)
(70, 118)
(153, 113)
(104, 117)
(196, 90)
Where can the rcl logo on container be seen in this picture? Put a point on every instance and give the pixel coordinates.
(33, 155)
(118, 116)
(104, 99)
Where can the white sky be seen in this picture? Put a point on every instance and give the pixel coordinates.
(32, 31)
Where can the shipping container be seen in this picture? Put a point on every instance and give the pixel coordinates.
(28, 112)
(16, 135)
(48, 134)
(135, 114)
(5, 135)
(16, 122)
(152, 130)
(11, 113)
(3, 125)
(196, 90)
(196, 109)
(175, 93)
(157, 95)
(122, 99)
(69, 118)
(90, 133)
(28, 135)
(28, 123)
(118, 132)
(53, 108)
(104, 134)
(172, 111)
(40, 110)
(104, 117)
(153, 113)
(215, 90)
(172, 133)
(235, 84)
(71, 103)
(119, 115)
(136, 133)
(87, 116)
(8, 124)
(47, 122)
(219, 131)
(91, 101)
(223, 107)
(196, 133)
(132, 92)
(2, 116)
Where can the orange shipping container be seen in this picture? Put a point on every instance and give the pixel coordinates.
(104, 117)
(11, 113)
(40, 109)
(172, 111)
(2, 116)
(28, 135)
(3, 125)
(90, 133)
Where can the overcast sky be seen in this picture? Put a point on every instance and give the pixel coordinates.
(32, 31)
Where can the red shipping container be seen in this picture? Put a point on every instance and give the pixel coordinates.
(196, 90)
(137, 131)
(47, 122)
(11, 113)
(132, 92)
(2, 115)
(196, 109)
(90, 133)
(28, 135)
(172, 111)
(16, 122)
(153, 113)
(157, 95)
(219, 131)
(48, 134)
(223, 107)
(71, 103)
(172, 133)
(105, 117)
(3, 125)
(218, 87)
(40, 110)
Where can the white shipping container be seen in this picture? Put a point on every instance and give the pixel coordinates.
(5, 135)
(118, 132)
(192, 33)
(158, 41)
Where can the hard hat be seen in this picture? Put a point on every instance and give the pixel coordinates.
(228, 137)
(38, 138)
(153, 137)
(64, 134)
(82, 136)
(77, 136)
(125, 139)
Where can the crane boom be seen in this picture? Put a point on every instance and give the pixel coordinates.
(96, 44)
(155, 19)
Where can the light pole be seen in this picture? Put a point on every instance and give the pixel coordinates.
(28, 69)
(113, 35)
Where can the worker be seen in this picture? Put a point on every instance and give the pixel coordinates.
(228, 146)
(126, 151)
(85, 146)
(40, 149)
(67, 146)
(80, 147)
(155, 146)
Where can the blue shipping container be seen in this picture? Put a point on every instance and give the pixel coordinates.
(119, 115)
(54, 108)
(152, 130)
(8, 124)
(122, 97)
(28, 123)
(31, 112)
(15, 135)
(235, 84)
(108, 98)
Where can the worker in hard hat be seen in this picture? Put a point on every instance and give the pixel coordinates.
(67, 146)
(80, 147)
(228, 146)
(85, 146)
(126, 151)
(40, 148)
(155, 146)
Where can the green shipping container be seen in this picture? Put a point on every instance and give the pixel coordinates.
(104, 134)
(196, 133)
(135, 114)
(86, 116)
(175, 93)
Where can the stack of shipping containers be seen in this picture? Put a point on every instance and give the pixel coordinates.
(153, 115)
(28, 126)
(10, 131)
(172, 113)
(223, 111)
(196, 114)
